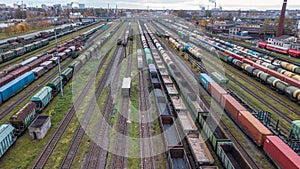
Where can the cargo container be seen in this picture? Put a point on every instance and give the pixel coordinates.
(281, 153)
(253, 127)
(42, 98)
(15, 85)
(205, 80)
(216, 91)
(7, 137)
(232, 106)
(219, 79)
(22, 119)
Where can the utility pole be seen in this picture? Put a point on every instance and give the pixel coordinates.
(58, 60)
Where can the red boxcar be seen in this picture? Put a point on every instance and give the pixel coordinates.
(262, 44)
(239, 57)
(294, 53)
(35, 63)
(39, 71)
(254, 127)
(48, 65)
(20, 71)
(216, 91)
(232, 106)
(292, 82)
(46, 57)
(6, 79)
(276, 74)
(281, 153)
(61, 49)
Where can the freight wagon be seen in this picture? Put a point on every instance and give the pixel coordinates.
(7, 137)
(42, 98)
(15, 85)
(22, 119)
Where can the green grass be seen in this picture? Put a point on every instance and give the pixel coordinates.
(57, 109)
(5, 36)
(30, 150)
(32, 86)
(134, 149)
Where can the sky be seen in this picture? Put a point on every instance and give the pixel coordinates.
(173, 4)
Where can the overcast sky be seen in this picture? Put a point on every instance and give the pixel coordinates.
(173, 4)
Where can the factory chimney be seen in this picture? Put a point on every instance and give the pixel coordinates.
(281, 19)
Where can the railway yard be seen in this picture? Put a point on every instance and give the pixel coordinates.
(146, 93)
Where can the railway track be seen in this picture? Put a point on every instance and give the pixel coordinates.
(21, 98)
(240, 147)
(44, 49)
(121, 144)
(97, 156)
(50, 146)
(233, 138)
(80, 132)
(146, 145)
(263, 51)
(279, 101)
(255, 95)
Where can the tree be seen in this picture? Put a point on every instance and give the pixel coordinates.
(268, 27)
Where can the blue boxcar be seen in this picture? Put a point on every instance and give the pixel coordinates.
(7, 137)
(205, 80)
(0, 99)
(15, 85)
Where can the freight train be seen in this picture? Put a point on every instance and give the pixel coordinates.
(19, 46)
(161, 80)
(279, 49)
(19, 121)
(288, 85)
(18, 79)
(282, 155)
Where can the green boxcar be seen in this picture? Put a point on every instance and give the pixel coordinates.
(149, 59)
(219, 79)
(29, 47)
(42, 98)
(295, 129)
(8, 55)
(67, 74)
(54, 84)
